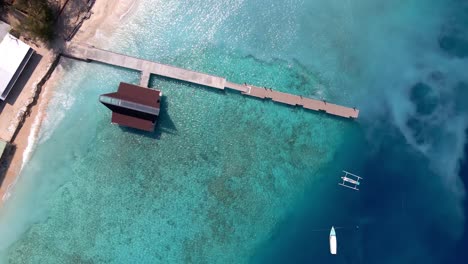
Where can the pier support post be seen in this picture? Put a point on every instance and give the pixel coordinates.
(144, 78)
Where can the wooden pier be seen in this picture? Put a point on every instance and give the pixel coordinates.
(90, 53)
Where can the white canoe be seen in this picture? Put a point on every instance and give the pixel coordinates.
(333, 241)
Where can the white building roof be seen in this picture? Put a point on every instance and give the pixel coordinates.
(14, 55)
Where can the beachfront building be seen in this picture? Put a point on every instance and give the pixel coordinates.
(133, 106)
(14, 55)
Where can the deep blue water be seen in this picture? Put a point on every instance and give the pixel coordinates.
(460, 255)
(402, 217)
(228, 179)
(408, 212)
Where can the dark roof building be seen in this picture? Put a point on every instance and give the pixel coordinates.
(133, 106)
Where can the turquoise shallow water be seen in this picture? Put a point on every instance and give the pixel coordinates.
(228, 179)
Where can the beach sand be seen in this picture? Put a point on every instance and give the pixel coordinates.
(106, 16)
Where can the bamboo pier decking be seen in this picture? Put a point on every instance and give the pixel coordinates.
(91, 53)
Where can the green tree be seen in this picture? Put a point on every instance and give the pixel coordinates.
(39, 21)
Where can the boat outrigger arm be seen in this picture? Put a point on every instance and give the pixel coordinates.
(350, 181)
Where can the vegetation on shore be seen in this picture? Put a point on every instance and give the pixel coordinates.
(36, 19)
(2, 6)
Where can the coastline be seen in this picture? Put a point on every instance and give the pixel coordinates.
(104, 18)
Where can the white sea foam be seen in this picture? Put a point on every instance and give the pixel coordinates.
(128, 10)
(32, 138)
(26, 153)
(62, 101)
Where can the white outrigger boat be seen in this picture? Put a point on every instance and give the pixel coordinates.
(350, 181)
(332, 241)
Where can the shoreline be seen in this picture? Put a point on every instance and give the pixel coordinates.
(105, 16)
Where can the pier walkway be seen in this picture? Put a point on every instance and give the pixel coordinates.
(90, 53)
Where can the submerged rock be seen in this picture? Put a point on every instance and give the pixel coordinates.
(424, 98)
(454, 45)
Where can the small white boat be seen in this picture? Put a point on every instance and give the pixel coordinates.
(332, 241)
